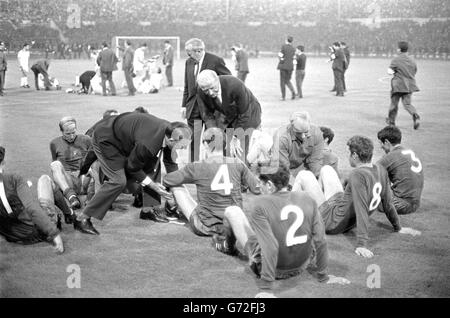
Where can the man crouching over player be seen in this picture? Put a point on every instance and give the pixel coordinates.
(22, 220)
(218, 180)
(281, 235)
(368, 189)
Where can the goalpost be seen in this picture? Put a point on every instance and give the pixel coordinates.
(154, 43)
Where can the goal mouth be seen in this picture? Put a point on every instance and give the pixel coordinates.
(155, 44)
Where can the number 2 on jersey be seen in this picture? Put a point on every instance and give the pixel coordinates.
(291, 239)
(417, 168)
(222, 175)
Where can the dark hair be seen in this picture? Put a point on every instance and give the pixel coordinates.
(128, 42)
(167, 41)
(280, 178)
(141, 109)
(403, 46)
(362, 146)
(182, 128)
(2, 154)
(391, 133)
(327, 133)
(301, 48)
(290, 39)
(108, 113)
(337, 44)
(343, 43)
(144, 44)
(105, 44)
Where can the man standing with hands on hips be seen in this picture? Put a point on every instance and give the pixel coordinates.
(198, 61)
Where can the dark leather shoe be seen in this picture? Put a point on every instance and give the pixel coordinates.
(137, 200)
(69, 218)
(152, 214)
(171, 212)
(85, 226)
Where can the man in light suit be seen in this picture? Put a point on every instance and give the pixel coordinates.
(230, 97)
(168, 62)
(127, 67)
(198, 60)
(107, 60)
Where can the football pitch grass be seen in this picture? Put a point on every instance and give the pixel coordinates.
(136, 258)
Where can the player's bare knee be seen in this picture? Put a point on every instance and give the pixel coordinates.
(56, 166)
(45, 180)
(233, 212)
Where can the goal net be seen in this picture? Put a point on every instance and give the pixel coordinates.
(155, 44)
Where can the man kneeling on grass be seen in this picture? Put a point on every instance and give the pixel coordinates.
(281, 236)
(368, 186)
(22, 220)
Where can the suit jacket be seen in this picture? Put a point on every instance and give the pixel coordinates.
(3, 63)
(239, 105)
(287, 61)
(44, 64)
(347, 57)
(132, 141)
(404, 77)
(211, 62)
(107, 60)
(127, 64)
(168, 56)
(339, 61)
(242, 61)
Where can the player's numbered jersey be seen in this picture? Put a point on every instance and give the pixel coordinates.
(70, 154)
(292, 218)
(218, 182)
(405, 172)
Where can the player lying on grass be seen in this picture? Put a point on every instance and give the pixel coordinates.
(281, 235)
(404, 169)
(22, 220)
(367, 190)
(218, 180)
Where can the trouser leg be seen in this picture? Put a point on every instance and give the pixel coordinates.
(393, 108)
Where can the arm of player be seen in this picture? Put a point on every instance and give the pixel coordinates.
(361, 207)
(320, 245)
(180, 177)
(53, 151)
(269, 248)
(386, 199)
(250, 180)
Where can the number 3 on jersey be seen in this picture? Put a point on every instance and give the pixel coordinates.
(417, 168)
(290, 238)
(222, 175)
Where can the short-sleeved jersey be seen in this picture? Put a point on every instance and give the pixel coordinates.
(405, 172)
(218, 180)
(367, 190)
(70, 154)
(286, 225)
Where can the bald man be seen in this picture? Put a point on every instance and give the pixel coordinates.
(300, 144)
(198, 61)
(67, 153)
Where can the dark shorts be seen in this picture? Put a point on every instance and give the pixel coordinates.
(199, 228)
(253, 251)
(332, 216)
(403, 206)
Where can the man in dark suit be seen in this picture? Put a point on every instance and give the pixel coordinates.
(127, 67)
(338, 67)
(3, 67)
(41, 67)
(107, 60)
(129, 147)
(347, 58)
(230, 97)
(286, 66)
(241, 63)
(300, 62)
(198, 60)
(168, 62)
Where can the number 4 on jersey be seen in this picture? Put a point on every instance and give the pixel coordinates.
(221, 180)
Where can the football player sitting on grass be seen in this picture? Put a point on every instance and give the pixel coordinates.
(367, 190)
(281, 235)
